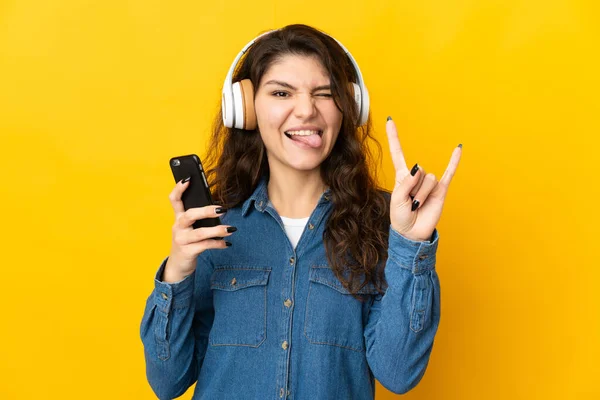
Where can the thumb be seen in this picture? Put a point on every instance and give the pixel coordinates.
(410, 181)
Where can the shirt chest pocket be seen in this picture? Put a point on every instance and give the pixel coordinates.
(333, 316)
(240, 303)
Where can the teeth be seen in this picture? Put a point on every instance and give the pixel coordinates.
(303, 133)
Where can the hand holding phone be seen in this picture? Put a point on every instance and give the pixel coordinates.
(190, 240)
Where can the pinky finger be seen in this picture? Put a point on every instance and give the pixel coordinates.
(208, 244)
(452, 166)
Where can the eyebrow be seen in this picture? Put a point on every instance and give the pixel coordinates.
(287, 85)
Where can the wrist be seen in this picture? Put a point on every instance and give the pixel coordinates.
(170, 274)
(412, 237)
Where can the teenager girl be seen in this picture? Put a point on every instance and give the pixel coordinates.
(318, 281)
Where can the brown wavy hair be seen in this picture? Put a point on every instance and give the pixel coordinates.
(356, 233)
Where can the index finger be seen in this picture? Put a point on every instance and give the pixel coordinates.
(395, 147)
(175, 196)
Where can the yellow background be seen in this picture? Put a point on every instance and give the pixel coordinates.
(96, 96)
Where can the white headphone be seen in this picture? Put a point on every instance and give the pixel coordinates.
(237, 104)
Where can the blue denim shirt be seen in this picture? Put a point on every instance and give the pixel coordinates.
(262, 320)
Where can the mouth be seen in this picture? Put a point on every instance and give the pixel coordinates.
(289, 134)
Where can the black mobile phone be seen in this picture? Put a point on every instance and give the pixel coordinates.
(197, 194)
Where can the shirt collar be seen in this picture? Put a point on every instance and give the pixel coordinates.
(260, 197)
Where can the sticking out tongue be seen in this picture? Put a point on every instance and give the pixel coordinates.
(313, 141)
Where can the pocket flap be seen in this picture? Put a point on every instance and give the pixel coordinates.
(231, 279)
(326, 276)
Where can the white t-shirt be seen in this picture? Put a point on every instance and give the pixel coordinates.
(294, 228)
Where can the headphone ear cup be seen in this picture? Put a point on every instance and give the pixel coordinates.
(357, 93)
(247, 89)
(365, 104)
(227, 107)
(243, 105)
(237, 103)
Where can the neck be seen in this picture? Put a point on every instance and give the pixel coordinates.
(295, 194)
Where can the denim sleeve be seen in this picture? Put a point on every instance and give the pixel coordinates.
(403, 322)
(174, 330)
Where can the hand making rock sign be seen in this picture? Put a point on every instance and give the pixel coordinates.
(417, 198)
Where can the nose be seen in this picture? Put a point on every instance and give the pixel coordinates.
(305, 107)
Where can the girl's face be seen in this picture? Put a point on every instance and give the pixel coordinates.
(296, 115)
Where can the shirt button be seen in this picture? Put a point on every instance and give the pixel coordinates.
(284, 345)
(233, 282)
(260, 203)
(164, 296)
(422, 257)
(292, 260)
(311, 226)
(281, 392)
(287, 303)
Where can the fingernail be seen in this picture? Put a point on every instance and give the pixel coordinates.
(414, 169)
(389, 118)
(231, 229)
(415, 204)
(220, 210)
(460, 145)
(186, 179)
(228, 244)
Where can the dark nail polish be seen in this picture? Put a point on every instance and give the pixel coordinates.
(414, 169)
(389, 118)
(186, 179)
(460, 145)
(415, 204)
(228, 244)
(231, 229)
(220, 210)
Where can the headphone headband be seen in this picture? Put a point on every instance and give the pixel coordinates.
(229, 76)
(229, 104)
